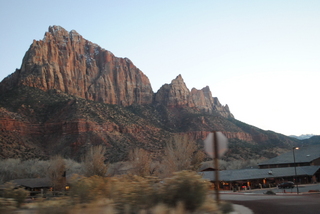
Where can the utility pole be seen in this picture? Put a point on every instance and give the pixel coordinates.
(295, 167)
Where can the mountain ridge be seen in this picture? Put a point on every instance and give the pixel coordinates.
(67, 62)
(303, 136)
(70, 94)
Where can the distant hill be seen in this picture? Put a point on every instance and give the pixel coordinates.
(70, 94)
(302, 137)
(314, 140)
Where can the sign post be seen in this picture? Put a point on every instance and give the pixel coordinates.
(216, 166)
(215, 145)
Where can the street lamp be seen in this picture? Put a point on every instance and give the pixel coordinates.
(295, 167)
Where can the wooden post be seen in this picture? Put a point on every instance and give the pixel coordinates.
(216, 166)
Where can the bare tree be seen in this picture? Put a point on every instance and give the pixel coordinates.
(141, 162)
(181, 153)
(93, 161)
(57, 173)
(73, 167)
(197, 160)
(15, 168)
(35, 168)
(10, 169)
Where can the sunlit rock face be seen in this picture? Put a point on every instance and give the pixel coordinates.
(67, 62)
(176, 94)
(58, 102)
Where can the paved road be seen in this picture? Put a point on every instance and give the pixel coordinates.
(288, 202)
(277, 204)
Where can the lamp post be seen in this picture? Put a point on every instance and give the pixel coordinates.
(295, 167)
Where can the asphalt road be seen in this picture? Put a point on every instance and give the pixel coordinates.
(303, 204)
(291, 203)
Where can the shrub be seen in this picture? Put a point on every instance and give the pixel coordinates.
(7, 205)
(186, 187)
(18, 194)
(134, 193)
(88, 189)
(184, 192)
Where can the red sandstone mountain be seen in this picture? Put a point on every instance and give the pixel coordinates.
(67, 62)
(177, 94)
(70, 93)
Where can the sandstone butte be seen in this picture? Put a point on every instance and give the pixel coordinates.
(66, 63)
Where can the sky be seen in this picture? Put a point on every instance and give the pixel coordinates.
(261, 58)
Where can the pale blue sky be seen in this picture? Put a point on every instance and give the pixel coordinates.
(262, 58)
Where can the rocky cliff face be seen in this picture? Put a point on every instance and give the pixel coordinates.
(15, 137)
(67, 62)
(177, 94)
(70, 94)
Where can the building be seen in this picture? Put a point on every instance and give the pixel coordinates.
(34, 185)
(304, 156)
(273, 171)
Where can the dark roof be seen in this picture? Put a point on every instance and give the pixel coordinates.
(302, 155)
(250, 174)
(33, 182)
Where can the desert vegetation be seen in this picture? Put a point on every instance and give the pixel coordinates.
(183, 192)
(181, 154)
(93, 161)
(142, 184)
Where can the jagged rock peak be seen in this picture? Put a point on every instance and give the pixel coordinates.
(58, 33)
(179, 77)
(56, 29)
(177, 94)
(67, 62)
(178, 81)
(174, 94)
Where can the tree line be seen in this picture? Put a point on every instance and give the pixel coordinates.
(141, 183)
(180, 153)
